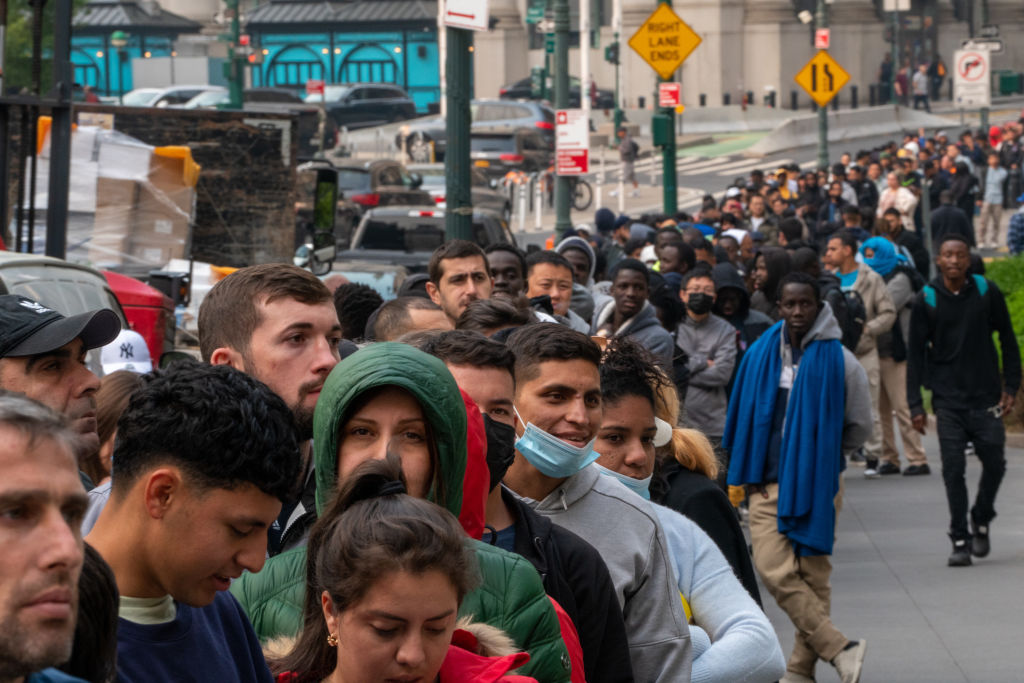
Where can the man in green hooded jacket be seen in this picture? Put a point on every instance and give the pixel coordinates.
(511, 596)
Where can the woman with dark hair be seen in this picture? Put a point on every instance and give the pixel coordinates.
(94, 650)
(771, 264)
(111, 400)
(385, 575)
(732, 638)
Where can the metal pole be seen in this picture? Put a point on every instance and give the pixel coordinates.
(668, 153)
(599, 181)
(235, 82)
(617, 30)
(459, 214)
(898, 64)
(60, 133)
(585, 59)
(442, 58)
(563, 221)
(821, 21)
(3, 29)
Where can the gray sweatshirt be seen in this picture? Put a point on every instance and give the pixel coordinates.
(625, 530)
(644, 328)
(706, 402)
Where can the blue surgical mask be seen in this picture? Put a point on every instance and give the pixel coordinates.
(552, 456)
(641, 487)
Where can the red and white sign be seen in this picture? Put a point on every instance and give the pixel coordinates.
(314, 87)
(972, 83)
(572, 142)
(468, 14)
(670, 94)
(822, 38)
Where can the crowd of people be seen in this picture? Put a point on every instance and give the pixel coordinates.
(528, 466)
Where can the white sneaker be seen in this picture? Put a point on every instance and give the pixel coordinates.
(871, 473)
(613, 193)
(850, 661)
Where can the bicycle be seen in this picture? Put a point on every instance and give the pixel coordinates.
(581, 192)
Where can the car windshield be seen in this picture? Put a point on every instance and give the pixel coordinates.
(141, 97)
(353, 179)
(501, 143)
(332, 93)
(405, 234)
(210, 98)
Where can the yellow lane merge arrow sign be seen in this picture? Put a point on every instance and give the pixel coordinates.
(664, 41)
(822, 78)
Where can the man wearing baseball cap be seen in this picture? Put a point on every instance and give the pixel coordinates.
(42, 355)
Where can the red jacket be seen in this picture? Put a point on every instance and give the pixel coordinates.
(463, 665)
(472, 516)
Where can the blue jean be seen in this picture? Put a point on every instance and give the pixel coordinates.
(985, 431)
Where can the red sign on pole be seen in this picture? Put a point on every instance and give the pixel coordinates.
(572, 142)
(822, 38)
(669, 95)
(314, 87)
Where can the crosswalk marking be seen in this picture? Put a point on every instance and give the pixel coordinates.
(743, 169)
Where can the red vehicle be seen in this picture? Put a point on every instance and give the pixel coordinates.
(149, 312)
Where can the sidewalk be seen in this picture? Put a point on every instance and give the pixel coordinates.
(925, 622)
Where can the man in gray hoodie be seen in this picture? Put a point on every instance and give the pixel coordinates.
(630, 314)
(585, 300)
(558, 405)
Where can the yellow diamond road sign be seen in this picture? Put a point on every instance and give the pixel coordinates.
(822, 77)
(664, 41)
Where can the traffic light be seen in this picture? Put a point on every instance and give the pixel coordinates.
(611, 53)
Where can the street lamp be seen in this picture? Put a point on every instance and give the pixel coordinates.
(119, 40)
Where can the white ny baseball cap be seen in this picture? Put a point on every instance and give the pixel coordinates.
(127, 352)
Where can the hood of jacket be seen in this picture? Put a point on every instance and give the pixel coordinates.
(582, 245)
(423, 376)
(647, 317)
(726, 276)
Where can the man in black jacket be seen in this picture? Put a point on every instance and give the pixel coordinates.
(947, 218)
(952, 353)
(902, 237)
(573, 572)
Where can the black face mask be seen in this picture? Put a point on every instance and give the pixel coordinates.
(501, 450)
(699, 302)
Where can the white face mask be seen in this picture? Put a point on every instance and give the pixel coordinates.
(641, 487)
(550, 455)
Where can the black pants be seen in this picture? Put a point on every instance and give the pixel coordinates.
(922, 99)
(985, 431)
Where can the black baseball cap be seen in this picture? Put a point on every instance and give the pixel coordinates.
(28, 328)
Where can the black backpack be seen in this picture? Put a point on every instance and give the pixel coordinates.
(847, 307)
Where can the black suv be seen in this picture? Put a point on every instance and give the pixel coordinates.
(364, 185)
(361, 105)
(522, 89)
(499, 152)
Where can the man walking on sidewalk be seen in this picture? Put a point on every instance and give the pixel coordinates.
(628, 151)
(919, 83)
(952, 353)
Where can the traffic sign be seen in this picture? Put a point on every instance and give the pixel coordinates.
(669, 94)
(572, 142)
(467, 14)
(972, 83)
(664, 41)
(549, 44)
(314, 87)
(822, 78)
(993, 45)
(822, 38)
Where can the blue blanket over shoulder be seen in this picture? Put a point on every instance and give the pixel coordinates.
(810, 460)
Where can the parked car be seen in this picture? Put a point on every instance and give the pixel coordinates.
(361, 105)
(485, 193)
(364, 185)
(522, 89)
(498, 152)
(408, 235)
(276, 100)
(164, 97)
(486, 115)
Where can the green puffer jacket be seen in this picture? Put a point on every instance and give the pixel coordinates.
(511, 596)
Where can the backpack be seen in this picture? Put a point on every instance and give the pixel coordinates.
(930, 302)
(849, 310)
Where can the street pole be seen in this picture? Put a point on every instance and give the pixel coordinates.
(563, 222)
(668, 152)
(617, 30)
(459, 214)
(585, 59)
(821, 21)
(442, 58)
(3, 28)
(60, 133)
(235, 82)
(898, 55)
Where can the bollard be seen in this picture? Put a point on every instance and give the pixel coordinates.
(835, 104)
(771, 99)
(814, 106)
(750, 97)
(622, 190)
(725, 99)
(853, 97)
(703, 100)
(872, 95)
(538, 204)
(792, 100)
(641, 101)
(599, 182)
(522, 206)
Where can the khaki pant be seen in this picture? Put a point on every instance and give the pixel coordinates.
(991, 216)
(800, 585)
(873, 446)
(892, 401)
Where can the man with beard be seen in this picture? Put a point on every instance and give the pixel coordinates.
(42, 355)
(459, 273)
(43, 502)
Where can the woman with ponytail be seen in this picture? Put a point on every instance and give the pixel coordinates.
(385, 574)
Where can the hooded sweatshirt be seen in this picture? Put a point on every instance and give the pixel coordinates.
(585, 300)
(624, 528)
(706, 401)
(644, 328)
(749, 323)
(511, 596)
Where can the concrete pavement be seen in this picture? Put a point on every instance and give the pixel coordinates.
(925, 622)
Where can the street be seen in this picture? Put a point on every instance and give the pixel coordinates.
(924, 621)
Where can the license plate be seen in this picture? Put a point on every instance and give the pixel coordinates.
(483, 163)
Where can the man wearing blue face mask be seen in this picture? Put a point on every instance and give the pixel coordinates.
(558, 402)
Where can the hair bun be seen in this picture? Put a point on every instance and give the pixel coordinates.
(391, 488)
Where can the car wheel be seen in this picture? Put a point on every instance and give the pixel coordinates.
(417, 146)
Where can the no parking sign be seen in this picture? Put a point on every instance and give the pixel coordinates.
(972, 78)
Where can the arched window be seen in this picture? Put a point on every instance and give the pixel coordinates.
(294, 65)
(86, 70)
(368, 63)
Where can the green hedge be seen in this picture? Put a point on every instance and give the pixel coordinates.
(1008, 273)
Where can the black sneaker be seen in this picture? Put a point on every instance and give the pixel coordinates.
(961, 556)
(914, 470)
(888, 468)
(980, 546)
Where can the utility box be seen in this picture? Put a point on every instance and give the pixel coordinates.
(661, 130)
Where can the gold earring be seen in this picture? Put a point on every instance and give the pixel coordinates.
(332, 640)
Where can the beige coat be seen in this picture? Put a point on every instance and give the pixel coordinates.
(881, 313)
